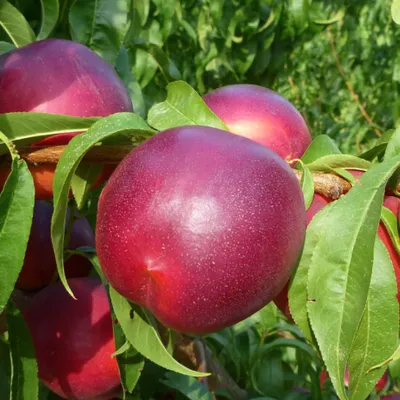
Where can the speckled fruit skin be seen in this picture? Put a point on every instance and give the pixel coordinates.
(74, 341)
(58, 77)
(282, 301)
(40, 265)
(262, 115)
(201, 226)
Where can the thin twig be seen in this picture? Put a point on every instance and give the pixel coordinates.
(349, 85)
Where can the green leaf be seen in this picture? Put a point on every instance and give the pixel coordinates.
(307, 186)
(165, 64)
(50, 10)
(26, 128)
(187, 385)
(392, 226)
(68, 163)
(340, 267)
(183, 106)
(337, 17)
(130, 362)
(5, 370)
(376, 338)
(15, 25)
(16, 212)
(396, 11)
(100, 25)
(329, 162)
(82, 180)
(143, 336)
(24, 371)
(124, 68)
(379, 147)
(321, 146)
(393, 146)
(5, 47)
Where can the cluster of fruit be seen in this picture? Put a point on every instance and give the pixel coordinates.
(202, 226)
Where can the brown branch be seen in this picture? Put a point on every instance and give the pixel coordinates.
(195, 354)
(349, 85)
(329, 185)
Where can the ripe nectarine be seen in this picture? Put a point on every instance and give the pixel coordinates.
(73, 340)
(262, 115)
(201, 226)
(39, 266)
(58, 77)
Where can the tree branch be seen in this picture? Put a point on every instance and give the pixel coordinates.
(329, 185)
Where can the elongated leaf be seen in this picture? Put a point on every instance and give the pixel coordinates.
(183, 106)
(166, 65)
(82, 180)
(68, 163)
(5, 47)
(5, 370)
(100, 25)
(329, 162)
(396, 11)
(187, 385)
(24, 371)
(341, 265)
(15, 25)
(26, 128)
(307, 186)
(50, 10)
(376, 338)
(130, 362)
(16, 212)
(321, 146)
(144, 337)
(391, 223)
(337, 17)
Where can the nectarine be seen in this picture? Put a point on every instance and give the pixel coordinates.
(58, 77)
(39, 266)
(201, 226)
(262, 115)
(73, 340)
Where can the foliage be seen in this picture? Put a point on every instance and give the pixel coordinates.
(337, 62)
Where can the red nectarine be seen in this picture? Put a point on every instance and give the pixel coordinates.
(262, 115)
(73, 340)
(201, 226)
(58, 77)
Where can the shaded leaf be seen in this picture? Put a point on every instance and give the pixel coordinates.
(24, 370)
(50, 9)
(187, 385)
(321, 146)
(15, 25)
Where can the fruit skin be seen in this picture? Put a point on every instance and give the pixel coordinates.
(40, 265)
(74, 341)
(262, 115)
(282, 300)
(197, 225)
(58, 77)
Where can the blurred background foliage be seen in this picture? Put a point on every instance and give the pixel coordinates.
(336, 60)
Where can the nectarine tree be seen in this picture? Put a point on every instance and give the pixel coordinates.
(200, 228)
